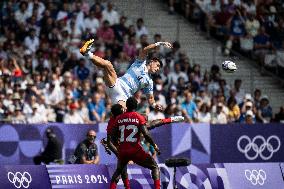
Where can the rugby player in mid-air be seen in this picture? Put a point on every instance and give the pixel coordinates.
(136, 77)
(127, 128)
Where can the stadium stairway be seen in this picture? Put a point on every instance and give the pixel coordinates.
(200, 51)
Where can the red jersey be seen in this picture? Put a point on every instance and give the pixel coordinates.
(110, 125)
(128, 129)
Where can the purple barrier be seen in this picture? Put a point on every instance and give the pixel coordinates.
(207, 176)
(247, 143)
(24, 176)
(20, 143)
(255, 175)
(79, 176)
(202, 143)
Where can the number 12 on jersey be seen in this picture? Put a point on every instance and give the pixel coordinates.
(130, 137)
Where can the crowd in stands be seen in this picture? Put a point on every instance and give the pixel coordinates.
(251, 27)
(44, 78)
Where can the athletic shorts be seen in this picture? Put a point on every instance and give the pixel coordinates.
(117, 92)
(137, 154)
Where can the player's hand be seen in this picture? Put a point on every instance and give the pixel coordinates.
(157, 149)
(168, 45)
(177, 119)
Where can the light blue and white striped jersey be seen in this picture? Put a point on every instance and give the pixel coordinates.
(136, 78)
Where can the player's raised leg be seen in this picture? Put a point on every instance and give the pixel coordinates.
(110, 75)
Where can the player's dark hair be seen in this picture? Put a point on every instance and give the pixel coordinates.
(157, 59)
(116, 110)
(131, 104)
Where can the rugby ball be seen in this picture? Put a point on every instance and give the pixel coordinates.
(229, 66)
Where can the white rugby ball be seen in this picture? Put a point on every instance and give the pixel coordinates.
(229, 66)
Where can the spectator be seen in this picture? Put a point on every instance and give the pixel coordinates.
(110, 15)
(32, 41)
(256, 98)
(63, 13)
(249, 119)
(122, 63)
(120, 29)
(220, 22)
(237, 29)
(17, 116)
(140, 28)
(234, 110)
(81, 71)
(279, 117)
(203, 115)
(173, 76)
(129, 48)
(60, 111)
(189, 107)
(264, 113)
(155, 114)
(173, 96)
(105, 33)
(203, 94)
(249, 6)
(36, 117)
(98, 11)
(52, 151)
(91, 23)
(87, 151)
(97, 108)
(262, 44)
(73, 117)
(23, 13)
(237, 91)
(219, 117)
(83, 111)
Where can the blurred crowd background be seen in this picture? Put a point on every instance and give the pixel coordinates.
(44, 78)
(253, 28)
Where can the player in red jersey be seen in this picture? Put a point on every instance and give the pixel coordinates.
(112, 141)
(128, 127)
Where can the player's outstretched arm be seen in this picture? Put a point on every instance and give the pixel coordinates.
(148, 138)
(159, 122)
(143, 53)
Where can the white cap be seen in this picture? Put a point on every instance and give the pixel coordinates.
(159, 87)
(248, 96)
(9, 91)
(99, 80)
(35, 106)
(249, 113)
(173, 88)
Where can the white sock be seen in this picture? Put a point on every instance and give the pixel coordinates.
(90, 55)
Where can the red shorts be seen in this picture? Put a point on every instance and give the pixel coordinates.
(137, 154)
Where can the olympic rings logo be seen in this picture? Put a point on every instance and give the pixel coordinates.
(255, 176)
(20, 180)
(253, 149)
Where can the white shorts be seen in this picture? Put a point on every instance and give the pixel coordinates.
(116, 93)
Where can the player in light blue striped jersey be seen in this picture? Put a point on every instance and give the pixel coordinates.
(137, 76)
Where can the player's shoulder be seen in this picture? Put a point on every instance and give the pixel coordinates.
(111, 123)
(139, 116)
(138, 62)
